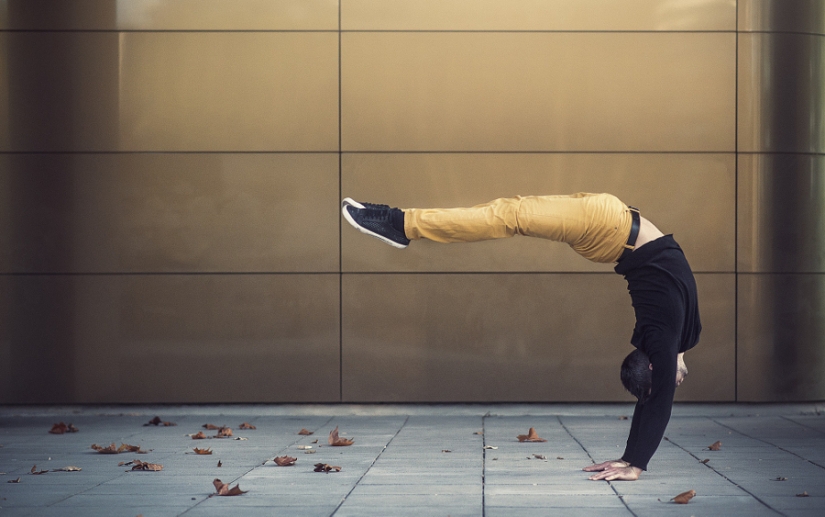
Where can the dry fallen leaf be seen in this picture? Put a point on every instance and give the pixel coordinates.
(540, 456)
(531, 436)
(224, 489)
(623, 417)
(202, 451)
(224, 432)
(158, 421)
(310, 451)
(220, 464)
(490, 447)
(803, 494)
(241, 438)
(336, 441)
(780, 479)
(246, 426)
(212, 427)
(37, 472)
(323, 467)
(715, 446)
(13, 480)
(125, 447)
(145, 466)
(705, 461)
(479, 432)
(199, 436)
(61, 428)
(559, 458)
(105, 450)
(68, 469)
(446, 450)
(285, 461)
(305, 432)
(684, 497)
(304, 447)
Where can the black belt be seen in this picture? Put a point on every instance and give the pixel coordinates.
(634, 233)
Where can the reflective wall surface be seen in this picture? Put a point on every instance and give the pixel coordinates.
(170, 175)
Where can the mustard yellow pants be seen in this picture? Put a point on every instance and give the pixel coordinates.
(596, 226)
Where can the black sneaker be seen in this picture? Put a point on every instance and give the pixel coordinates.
(348, 201)
(376, 222)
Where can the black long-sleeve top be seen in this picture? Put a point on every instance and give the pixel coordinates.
(663, 292)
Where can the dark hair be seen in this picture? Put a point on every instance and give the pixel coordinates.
(636, 375)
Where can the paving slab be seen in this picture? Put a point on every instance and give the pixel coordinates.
(421, 460)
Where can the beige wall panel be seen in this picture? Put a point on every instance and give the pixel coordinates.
(170, 213)
(171, 14)
(781, 322)
(485, 338)
(689, 195)
(538, 91)
(172, 338)
(780, 214)
(573, 15)
(173, 91)
(781, 93)
(782, 16)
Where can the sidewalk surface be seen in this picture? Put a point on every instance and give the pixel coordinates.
(417, 460)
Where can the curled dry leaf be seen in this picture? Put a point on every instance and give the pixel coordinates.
(684, 497)
(220, 464)
(202, 452)
(285, 461)
(241, 438)
(715, 446)
(780, 479)
(323, 467)
(446, 450)
(125, 447)
(309, 451)
(224, 432)
(531, 436)
(479, 432)
(111, 449)
(61, 428)
(337, 441)
(540, 456)
(246, 426)
(68, 469)
(623, 417)
(490, 447)
(38, 472)
(705, 461)
(13, 480)
(145, 466)
(212, 427)
(305, 432)
(158, 421)
(803, 494)
(559, 458)
(305, 447)
(222, 488)
(199, 436)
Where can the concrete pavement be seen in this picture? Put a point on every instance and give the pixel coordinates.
(421, 460)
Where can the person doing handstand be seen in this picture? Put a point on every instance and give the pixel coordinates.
(600, 228)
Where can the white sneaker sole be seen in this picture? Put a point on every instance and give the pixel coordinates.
(361, 229)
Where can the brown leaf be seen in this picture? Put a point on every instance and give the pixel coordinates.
(715, 446)
(211, 427)
(803, 494)
(105, 450)
(446, 450)
(305, 432)
(684, 497)
(158, 421)
(224, 432)
(780, 479)
(220, 464)
(13, 480)
(202, 451)
(623, 417)
(531, 436)
(199, 436)
(540, 456)
(142, 465)
(61, 428)
(285, 461)
(337, 441)
(125, 447)
(246, 426)
(224, 489)
(38, 472)
(323, 467)
(705, 461)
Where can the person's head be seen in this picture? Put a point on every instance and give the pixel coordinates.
(637, 373)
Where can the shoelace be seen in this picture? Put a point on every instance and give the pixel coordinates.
(376, 214)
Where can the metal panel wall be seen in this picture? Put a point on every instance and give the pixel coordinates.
(170, 174)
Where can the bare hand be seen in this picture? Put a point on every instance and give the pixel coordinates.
(618, 474)
(606, 465)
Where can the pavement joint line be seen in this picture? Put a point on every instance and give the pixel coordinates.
(621, 498)
(801, 424)
(726, 478)
(769, 443)
(355, 485)
(484, 464)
